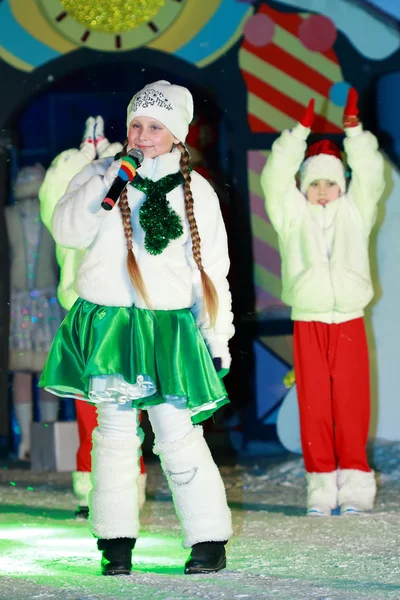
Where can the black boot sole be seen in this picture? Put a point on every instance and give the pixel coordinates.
(196, 569)
(114, 572)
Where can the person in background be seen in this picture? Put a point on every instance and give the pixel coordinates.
(61, 171)
(35, 313)
(324, 228)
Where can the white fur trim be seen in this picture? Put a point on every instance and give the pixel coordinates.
(357, 488)
(322, 166)
(322, 490)
(172, 105)
(114, 499)
(82, 486)
(300, 132)
(219, 349)
(197, 488)
(353, 131)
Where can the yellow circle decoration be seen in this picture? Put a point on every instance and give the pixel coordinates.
(176, 23)
(191, 21)
(112, 25)
(112, 16)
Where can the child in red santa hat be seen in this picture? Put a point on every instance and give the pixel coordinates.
(323, 233)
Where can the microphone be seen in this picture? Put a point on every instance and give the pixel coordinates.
(126, 174)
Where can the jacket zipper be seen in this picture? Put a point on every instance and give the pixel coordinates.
(329, 253)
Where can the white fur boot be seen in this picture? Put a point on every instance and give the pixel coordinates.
(114, 499)
(23, 412)
(197, 488)
(357, 490)
(322, 493)
(82, 486)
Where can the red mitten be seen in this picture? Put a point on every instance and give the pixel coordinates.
(308, 117)
(350, 114)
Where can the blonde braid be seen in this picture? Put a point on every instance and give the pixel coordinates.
(133, 268)
(209, 291)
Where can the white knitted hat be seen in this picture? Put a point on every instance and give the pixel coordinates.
(172, 105)
(323, 161)
(28, 181)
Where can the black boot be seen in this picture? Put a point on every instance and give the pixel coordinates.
(82, 513)
(117, 556)
(206, 557)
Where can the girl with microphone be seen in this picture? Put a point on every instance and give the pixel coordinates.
(149, 330)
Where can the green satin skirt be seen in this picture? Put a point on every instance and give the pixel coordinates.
(164, 346)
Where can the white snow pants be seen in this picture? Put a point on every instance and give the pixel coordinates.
(193, 477)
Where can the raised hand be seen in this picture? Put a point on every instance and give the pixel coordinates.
(308, 116)
(350, 114)
(100, 141)
(112, 172)
(87, 146)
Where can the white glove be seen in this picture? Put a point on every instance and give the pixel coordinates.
(100, 141)
(111, 150)
(112, 172)
(87, 147)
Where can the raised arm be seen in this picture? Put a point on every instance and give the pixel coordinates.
(78, 214)
(278, 178)
(215, 260)
(103, 146)
(366, 163)
(63, 169)
(60, 173)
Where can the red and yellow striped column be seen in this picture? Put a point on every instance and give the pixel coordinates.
(281, 74)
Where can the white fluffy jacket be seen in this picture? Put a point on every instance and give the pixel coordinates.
(61, 171)
(325, 265)
(172, 278)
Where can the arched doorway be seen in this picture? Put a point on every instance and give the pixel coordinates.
(49, 117)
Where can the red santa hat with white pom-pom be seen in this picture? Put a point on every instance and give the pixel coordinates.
(323, 160)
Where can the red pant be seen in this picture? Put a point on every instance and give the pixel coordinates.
(332, 377)
(86, 417)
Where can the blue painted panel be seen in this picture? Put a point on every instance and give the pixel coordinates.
(269, 372)
(216, 33)
(391, 7)
(388, 96)
(19, 42)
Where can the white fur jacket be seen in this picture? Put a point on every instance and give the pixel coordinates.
(325, 264)
(58, 176)
(172, 278)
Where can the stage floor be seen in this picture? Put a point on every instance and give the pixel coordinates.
(276, 552)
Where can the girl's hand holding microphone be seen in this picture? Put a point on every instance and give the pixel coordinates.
(112, 173)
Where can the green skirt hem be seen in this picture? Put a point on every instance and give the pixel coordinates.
(166, 346)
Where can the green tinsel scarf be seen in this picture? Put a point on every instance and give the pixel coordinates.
(159, 221)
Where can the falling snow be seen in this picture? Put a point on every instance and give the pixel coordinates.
(276, 552)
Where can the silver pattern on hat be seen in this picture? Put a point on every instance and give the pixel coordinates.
(148, 98)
